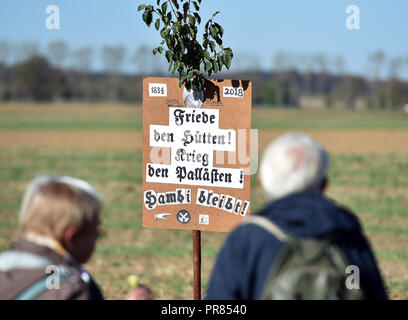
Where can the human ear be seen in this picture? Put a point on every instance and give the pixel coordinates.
(68, 240)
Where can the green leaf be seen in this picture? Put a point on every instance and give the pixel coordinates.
(169, 55)
(215, 14)
(220, 62)
(160, 49)
(158, 2)
(174, 68)
(148, 17)
(176, 27)
(218, 40)
(198, 18)
(195, 4)
(182, 80)
(141, 7)
(198, 83)
(175, 3)
(188, 84)
(215, 66)
(164, 8)
(157, 24)
(213, 31)
(212, 45)
(208, 67)
(182, 48)
(219, 29)
(170, 65)
(207, 55)
(227, 59)
(186, 7)
(190, 74)
(228, 51)
(201, 80)
(199, 1)
(192, 31)
(191, 19)
(164, 33)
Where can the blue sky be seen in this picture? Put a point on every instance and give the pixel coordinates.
(257, 29)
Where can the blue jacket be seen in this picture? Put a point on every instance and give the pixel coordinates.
(249, 251)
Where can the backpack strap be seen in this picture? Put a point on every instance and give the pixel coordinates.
(37, 287)
(267, 225)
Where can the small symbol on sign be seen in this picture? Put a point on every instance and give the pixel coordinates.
(161, 216)
(204, 219)
(183, 217)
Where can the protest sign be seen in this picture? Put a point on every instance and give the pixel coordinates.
(196, 155)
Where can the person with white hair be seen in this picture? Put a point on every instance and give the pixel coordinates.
(294, 175)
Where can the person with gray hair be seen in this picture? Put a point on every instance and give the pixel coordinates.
(294, 175)
(59, 224)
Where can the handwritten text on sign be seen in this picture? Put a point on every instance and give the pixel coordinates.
(193, 135)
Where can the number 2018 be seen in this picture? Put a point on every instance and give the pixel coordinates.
(234, 92)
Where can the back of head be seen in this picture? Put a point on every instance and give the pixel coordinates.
(52, 205)
(293, 163)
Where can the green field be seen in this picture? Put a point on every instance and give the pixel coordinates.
(373, 185)
(36, 117)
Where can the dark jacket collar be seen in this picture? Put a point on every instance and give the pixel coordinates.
(310, 214)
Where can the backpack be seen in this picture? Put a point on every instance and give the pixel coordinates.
(14, 259)
(306, 268)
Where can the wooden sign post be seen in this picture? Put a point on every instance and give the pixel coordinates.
(197, 263)
(196, 158)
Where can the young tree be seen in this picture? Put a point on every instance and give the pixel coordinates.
(179, 21)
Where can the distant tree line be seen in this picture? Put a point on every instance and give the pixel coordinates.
(64, 74)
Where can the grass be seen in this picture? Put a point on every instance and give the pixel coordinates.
(388, 170)
(104, 117)
(117, 174)
(154, 250)
(26, 123)
(386, 229)
(327, 120)
(394, 255)
(374, 186)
